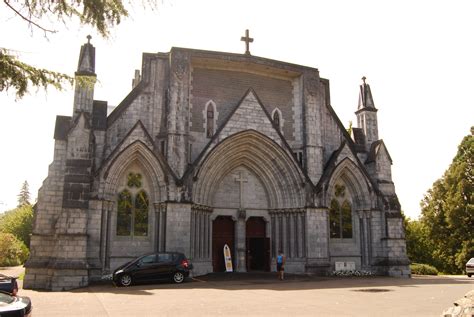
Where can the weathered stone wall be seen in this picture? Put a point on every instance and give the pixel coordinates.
(147, 106)
(178, 223)
(226, 89)
(228, 191)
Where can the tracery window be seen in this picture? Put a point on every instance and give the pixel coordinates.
(132, 208)
(340, 215)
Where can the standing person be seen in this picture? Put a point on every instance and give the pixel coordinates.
(280, 264)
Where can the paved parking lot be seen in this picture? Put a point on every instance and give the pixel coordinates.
(260, 294)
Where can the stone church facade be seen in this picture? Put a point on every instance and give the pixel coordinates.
(213, 148)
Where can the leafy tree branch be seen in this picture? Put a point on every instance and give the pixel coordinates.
(100, 14)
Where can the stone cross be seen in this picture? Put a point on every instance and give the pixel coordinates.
(247, 39)
(241, 180)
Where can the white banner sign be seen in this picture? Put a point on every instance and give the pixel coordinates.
(227, 259)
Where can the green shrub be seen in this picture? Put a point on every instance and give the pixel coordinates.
(12, 251)
(18, 222)
(423, 269)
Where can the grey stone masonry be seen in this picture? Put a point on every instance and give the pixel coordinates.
(213, 148)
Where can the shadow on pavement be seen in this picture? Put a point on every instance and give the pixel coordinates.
(268, 281)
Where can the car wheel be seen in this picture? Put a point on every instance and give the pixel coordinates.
(178, 277)
(469, 275)
(125, 280)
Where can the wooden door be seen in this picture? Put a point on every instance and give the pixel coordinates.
(222, 234)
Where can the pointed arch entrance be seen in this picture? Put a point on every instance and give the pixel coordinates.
(248, 175)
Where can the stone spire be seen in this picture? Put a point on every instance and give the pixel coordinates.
(367, 114)
(365, 96)
(86, 65)
(85, 79)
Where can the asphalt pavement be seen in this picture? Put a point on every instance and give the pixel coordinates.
(258, 294)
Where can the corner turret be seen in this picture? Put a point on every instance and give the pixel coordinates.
(85, 79)
(367, 115)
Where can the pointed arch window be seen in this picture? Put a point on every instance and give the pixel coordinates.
(124, 213)
(140, 224)
(340, 215)
(277, 119)
(132, 208)
(210, 122)
(210, 115)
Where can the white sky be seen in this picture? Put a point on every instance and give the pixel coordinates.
(418, 57)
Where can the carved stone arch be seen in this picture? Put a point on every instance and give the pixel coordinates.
(136, 153)
(274, 167)
(212, 105)
(360, 189)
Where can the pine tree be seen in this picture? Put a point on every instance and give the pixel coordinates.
(24, 195)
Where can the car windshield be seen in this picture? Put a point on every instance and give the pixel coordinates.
(471, 261)
(6, 299)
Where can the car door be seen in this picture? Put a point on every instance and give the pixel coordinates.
(166, 266)
(147, 268)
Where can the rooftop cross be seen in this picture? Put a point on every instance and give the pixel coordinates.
(247, 39)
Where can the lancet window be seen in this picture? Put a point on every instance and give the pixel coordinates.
(340, 214)
(132, 208)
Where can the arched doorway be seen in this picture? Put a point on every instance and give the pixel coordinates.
(258, 245)
(222, 234)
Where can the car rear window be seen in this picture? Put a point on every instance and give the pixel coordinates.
(165, 257)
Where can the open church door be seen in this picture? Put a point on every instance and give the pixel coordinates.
(268, 258)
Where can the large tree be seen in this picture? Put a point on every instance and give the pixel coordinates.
(448, 211)
(101, 14)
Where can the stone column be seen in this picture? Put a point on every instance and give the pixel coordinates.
(314, 101)
(317, 240)
(178, 227)
(240, 234)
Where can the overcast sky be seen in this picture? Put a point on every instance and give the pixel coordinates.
(418, 57)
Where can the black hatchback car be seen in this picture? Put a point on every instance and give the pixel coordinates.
(8, 284)
(15, 306)
(153, 267)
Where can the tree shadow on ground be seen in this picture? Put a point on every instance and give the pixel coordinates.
(269, 281)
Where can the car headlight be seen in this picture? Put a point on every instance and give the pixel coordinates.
(118, 272)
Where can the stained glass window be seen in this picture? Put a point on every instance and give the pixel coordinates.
(340, 215)
(132, 209)
(140, 226)
(124, 213)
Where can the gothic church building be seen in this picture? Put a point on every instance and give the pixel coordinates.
(213, 148)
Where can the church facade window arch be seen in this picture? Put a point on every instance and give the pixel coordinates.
(210, 115)
(340, 215)
(277, 119)
(133, 207)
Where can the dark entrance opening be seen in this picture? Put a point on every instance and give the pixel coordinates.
(258, 246)
(222, 234)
